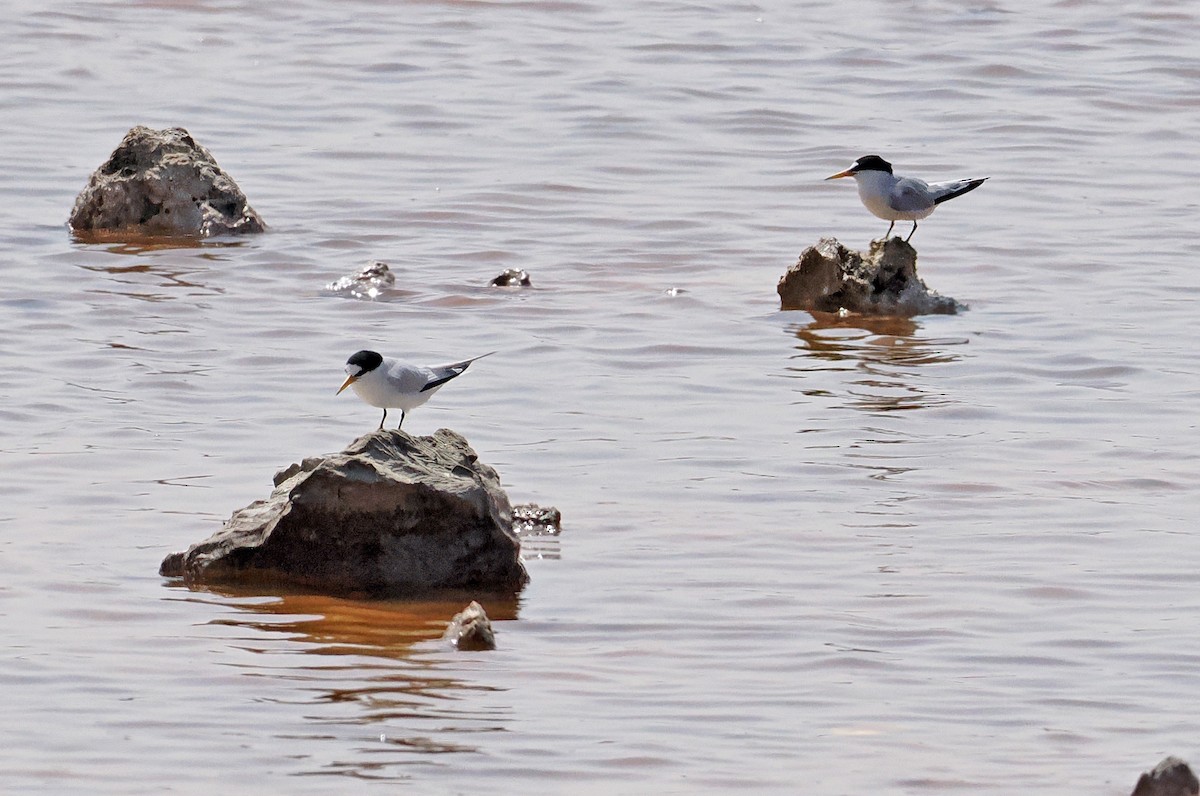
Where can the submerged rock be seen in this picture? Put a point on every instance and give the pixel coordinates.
(1171, 777)
(470, 629)
(530, 519)
(393, 514)
(161, 182)
(831, 278)
(512, 277)
(369, 283)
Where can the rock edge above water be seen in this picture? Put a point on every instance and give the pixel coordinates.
(1171, 777)
(831, 278)
(161, 183)
(391, 515)
(471, 630)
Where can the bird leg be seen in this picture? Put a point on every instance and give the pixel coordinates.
(914, 229)
(383, 418)
(401, 419)
(887, 234)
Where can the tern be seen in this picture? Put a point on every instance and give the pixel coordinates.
(391, 384)
(895, 198)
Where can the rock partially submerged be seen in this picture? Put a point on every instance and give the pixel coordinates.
(470, 629)
(369, 283)
(831, 278)
(162, 183)
(530, 519)
(391, 515)
(1171, 777)
(511, 277)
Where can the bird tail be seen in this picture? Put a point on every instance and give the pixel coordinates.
(467, 362)
(452, 370)
(949, 190)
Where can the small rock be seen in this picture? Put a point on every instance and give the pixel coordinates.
(471, 630)
(391, 515)
(369, 283)
(172, 566)
(161, 182)
(512, 277)
(1171, 777)
(530, 519)
(831, 278)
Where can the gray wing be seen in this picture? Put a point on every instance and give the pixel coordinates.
(412, 378)
(911, 195)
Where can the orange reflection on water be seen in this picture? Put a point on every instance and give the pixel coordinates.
(129, 243)
(344, 626)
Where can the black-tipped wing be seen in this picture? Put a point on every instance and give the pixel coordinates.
(440, 374)
(948, 190)
(444, 373)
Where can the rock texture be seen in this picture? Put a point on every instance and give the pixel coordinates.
(530, 519)
(1171, 777)
(831, 278)
(470, 629)
(511, 277)
(369, 283)
(392, 514)
(162, 183)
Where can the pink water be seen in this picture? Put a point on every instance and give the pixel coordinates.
(948, 555)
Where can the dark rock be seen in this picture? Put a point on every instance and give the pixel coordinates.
(369, 283)
(161, 182)
(172, 566)
(512, 277)
(1171, 777)
(470, 629)
(531, 519)
(831, 278)
(392, 514)
(538, 527)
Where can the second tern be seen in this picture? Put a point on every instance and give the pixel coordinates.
(895, 198)
(391, 384)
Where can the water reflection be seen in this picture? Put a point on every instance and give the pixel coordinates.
(325, 625)
(152, 269)
(886, 351)
(133, 280)
(378, 664)
(124, 243)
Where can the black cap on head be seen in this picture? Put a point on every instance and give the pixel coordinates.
(365, 361)
(871, 163)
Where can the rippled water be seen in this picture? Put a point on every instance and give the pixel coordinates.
(946, 555)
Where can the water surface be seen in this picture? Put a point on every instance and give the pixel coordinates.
(951, 554)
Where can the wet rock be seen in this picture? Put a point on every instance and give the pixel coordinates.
(512, 277)
(161, 182)
(531, 519)
(831, 278)
(1171, 777)
(393, 514)
(369, 283)
(538, 528)
(470, 629)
